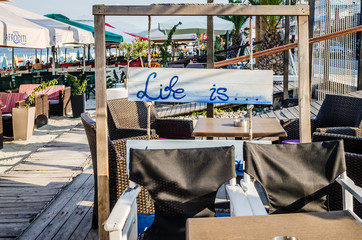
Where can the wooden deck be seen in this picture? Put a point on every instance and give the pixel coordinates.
(28, 188)
(66, 207)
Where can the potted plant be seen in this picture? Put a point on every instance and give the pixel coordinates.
(23, 117)
(78, 97)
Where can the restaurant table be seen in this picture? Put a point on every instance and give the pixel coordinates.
(304, 226)
(224, 127)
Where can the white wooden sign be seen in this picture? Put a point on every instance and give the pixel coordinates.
(201, 85)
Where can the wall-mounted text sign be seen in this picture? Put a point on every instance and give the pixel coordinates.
(201, 85)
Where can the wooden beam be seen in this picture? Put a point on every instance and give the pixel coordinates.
(304, 97)
(286, 59)
(208, 9)
(210, 55)
(101, 111)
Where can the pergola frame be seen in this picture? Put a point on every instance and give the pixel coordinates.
(208, 9)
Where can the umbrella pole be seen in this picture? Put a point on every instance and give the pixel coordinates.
(53, 60)
(12, 59)
(83, 58)
(47, 56)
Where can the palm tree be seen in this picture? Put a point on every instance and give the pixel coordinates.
(236, 34)
(272, 38)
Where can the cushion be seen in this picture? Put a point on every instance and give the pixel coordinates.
(8, 100)
(52, 102)
(53, 91)
(27, 88)
(7, 116)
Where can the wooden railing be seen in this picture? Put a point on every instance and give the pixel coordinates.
(287, 47)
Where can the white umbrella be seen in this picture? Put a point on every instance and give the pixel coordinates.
(18, 32)
(60, 33)
(197, 24)
(4, 64)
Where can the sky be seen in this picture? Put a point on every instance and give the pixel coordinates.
(82, 10)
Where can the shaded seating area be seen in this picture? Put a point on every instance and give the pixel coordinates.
(336, 111)
(118, 177)
(296, 178)
(133, 115)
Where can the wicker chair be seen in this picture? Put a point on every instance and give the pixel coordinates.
(133, 115)
(336, 111)
(118, 178)
(353, 154)
(63, 107)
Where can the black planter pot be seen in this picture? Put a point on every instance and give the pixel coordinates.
(78, 105)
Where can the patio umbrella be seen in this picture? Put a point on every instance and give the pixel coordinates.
(4, 64)
(18, 32)
(197, 24)
(110, 37)
(60, 33)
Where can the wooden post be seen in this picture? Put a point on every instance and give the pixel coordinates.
(251, 42)
(257, 37)
(210, 54)
(149, 42)
(101, 111)
(311, 31)
(286, 59)
(304, 93)
(359, 77)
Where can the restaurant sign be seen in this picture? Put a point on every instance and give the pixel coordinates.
(201, 85)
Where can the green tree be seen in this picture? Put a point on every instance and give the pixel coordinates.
(165, 55)
(236, 33)
(131, 51)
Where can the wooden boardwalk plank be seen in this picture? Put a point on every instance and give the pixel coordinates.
(76, 217)
(84, 227)
(28, 188)
(65, 212)
(43, 220)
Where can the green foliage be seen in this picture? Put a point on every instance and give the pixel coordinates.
(78, 86)
(31, 98)
(237, 20)
(134, 49)
(271, 21)
(164, 47)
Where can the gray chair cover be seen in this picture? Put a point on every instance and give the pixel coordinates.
(183, 184)
(296, 177)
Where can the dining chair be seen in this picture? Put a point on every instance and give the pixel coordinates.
(295, 178)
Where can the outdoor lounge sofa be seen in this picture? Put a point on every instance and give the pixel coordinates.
(118, 177)
(10, 100)
(133, 115)
(58, 96)
(336, 111)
